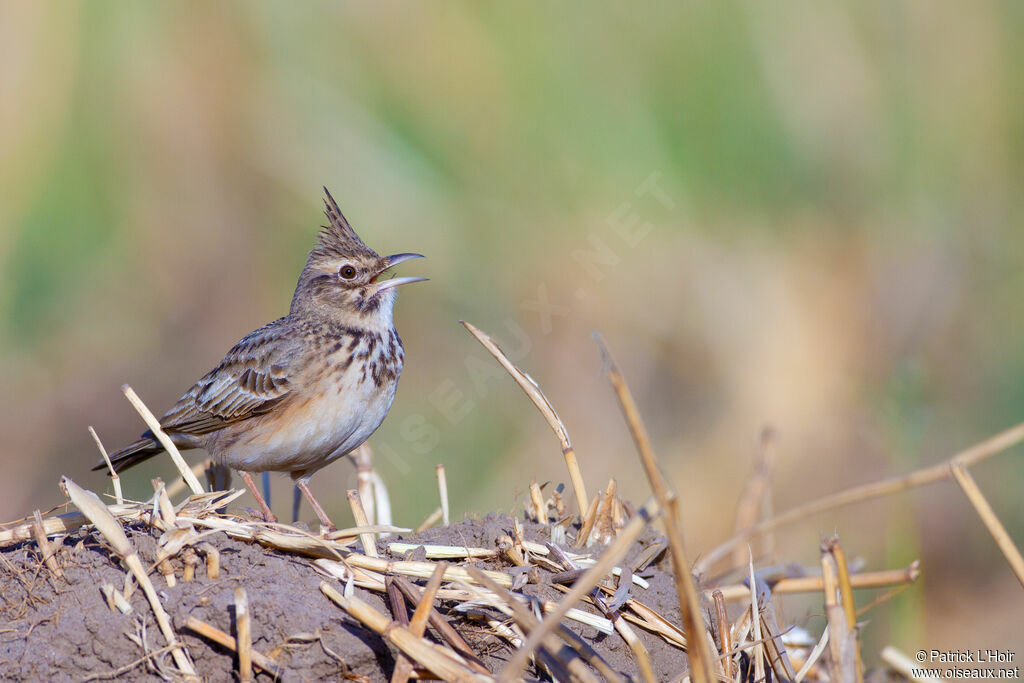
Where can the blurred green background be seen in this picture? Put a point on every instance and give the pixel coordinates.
(796, 214)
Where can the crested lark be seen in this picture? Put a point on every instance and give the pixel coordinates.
(305, 390)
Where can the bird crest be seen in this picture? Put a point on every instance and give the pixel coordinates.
(338, 239)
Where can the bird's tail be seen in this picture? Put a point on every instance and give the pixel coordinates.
(143, 449)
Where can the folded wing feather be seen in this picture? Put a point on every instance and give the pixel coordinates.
(252, 380)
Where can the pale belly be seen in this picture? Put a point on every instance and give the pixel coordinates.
(331, 419)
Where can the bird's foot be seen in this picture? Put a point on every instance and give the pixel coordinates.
(261, 516)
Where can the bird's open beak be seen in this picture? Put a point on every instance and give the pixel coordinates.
(394, 260)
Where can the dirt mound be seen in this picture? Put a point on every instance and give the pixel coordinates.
(54, 628)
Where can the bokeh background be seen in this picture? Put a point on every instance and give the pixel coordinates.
(804, 215)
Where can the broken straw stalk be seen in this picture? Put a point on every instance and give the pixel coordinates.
(442, 661)
(533, 391)
(91, 506)
(921, 477)
(165, 441)
(701, 660)
(226, 640)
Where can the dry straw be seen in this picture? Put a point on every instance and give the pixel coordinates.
(582, 587)
(846, 596)
(910, 669)
(755, 624)
(842, 639)
(722, 625)
(701, 658)
(154, 425)
(756, 501)
(527, 384)
(921, 477)
(414, 595)
(403, 665)
(814, 584)
(359, 515)
(432, 519)
(813, 657)
(441, 661)
(442, 490)
(44, 545)
(508, 604)
(115, 479)
(91, 506)
(988, 516)
(243, 626)
(539, 511)
(213, 633)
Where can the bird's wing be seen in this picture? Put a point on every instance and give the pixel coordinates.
(252, 379)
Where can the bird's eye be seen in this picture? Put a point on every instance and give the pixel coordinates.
(347, 272)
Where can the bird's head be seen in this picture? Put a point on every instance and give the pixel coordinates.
(345, 278)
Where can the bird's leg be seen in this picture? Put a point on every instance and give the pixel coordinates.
(266, 488)
(218, 477)
(296, 504)
(303, 485)
(267, 513)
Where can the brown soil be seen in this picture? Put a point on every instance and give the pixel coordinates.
(62, 629)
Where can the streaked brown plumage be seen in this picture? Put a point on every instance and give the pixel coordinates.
(306, 389)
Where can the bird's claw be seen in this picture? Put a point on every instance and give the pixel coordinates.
(260, 516)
